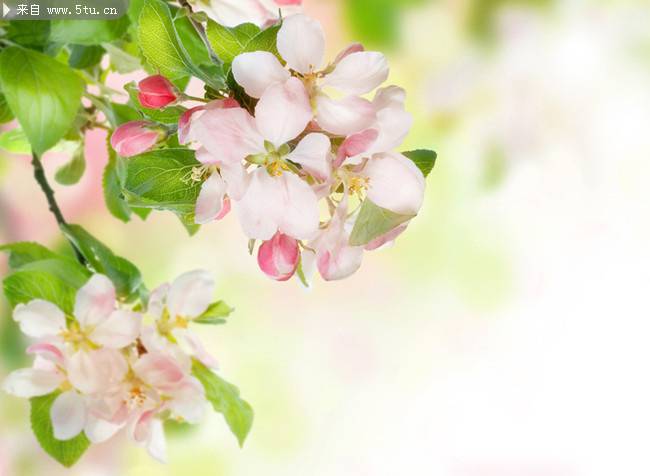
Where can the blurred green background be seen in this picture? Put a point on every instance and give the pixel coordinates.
(506, 332)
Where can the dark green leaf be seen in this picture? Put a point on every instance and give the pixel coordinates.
(88, 32)
(124, 275)
(43, 94)
(112, 190)
(30, 33)
(82, 57)
(5, 111)
(374, 221)
(225, 399)
(215, 314)
(65, 452)
(424, 159)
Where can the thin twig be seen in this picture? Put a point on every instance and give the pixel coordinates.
(41, 179)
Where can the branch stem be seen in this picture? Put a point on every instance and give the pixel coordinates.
(41, 179)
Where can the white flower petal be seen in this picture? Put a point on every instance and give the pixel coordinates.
(99, 430)
(283, 111)
(358, 73)
(95, 301)
(301, 42)
(120, 329)
(257, 71)
(189, 401)
(300, 215)
(156, 445)
(39, 318)
(68, 414)
(236, 178)
(210, 203)
(260, 208)
(313, 153)
(345, 116)
(28, 383)
(229, 135)
(157, 300)
(97, 370)
(191, 294)
(395, 183)
(391, 96)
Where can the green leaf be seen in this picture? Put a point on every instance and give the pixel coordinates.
(55, 280)
(65, 452)
(161, 179)
(123, 113)
(122, 61)
(82, 57)
(30, 33)
(168, 115)
(25, 252)
(374, 221)
(112, 190)
(5, 112)
(88, 32)
(424, 159)
(124, 275)
(215, 313)
(15, 141)
(159, 41)
(225, 399)
(43, 94)
(71, 173)
(226, 42)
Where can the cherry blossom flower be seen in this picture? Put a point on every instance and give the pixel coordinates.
(301, 43)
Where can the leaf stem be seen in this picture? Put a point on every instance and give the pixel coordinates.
(41, 179)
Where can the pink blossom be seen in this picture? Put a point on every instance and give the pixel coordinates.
(157, 92)
(136, 137)
(279, 257)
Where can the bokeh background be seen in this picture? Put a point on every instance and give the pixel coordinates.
(506, 334)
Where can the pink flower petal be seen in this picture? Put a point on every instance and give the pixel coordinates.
(212, 203)
(346, 116)
(191, 294)
(301, 43)
(395, 183)
(278, 257)
(95, 301)
(96, 371)
(47, 351)
(159, 370)
(283, 111)
(119, 330)
(313, 153)
(258, 70)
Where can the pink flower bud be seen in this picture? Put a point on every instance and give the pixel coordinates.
(135, 137)
(279, 256)
(156, 92)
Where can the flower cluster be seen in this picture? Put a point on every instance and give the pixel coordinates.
(115, 368)
(298, 164)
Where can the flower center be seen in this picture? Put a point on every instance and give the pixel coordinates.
(77, 337)
(358, 184)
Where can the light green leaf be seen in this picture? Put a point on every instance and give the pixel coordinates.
(226, 42)
(162, 179)
(71, 173)
(159, 41)
(25, 252)
(43, 94)
(215, 313)
(15, 141)
(122, 61)
(374, 221)
(88, 32)
(65, 452)
(112, 190)
(5, 112)
(124, 275)
(225, 399)
(424, 159)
